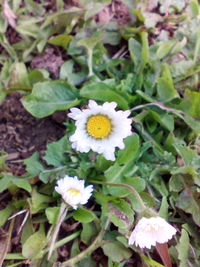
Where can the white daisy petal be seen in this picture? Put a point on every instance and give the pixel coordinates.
(100, 128)
(148, 231)
(92, 104)
(74, 112)
(73, 191)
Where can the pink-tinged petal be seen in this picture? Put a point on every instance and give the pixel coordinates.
(150, 231)
(92, 104)
(74, 112)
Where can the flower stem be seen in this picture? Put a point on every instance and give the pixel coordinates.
(96, 244)
(61, 217)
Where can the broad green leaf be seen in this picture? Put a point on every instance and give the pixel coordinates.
(34, 244)
(183, 248)
(19, 78)
(33, 166)
(181, 68)
(164, 48)
(5, 213)
(115, 174)
(61, 40)
(8, 180)
(194, 6)
(55, 152)
(38, 201)
(192, 123)
(83, 215)
(67, 72)
(27, 231)
(116, 251)
(132, 145)
(166, 120)
(101, 91)
(52, 214)
(47, 97)
(190, 103)
(187, 154)
(175, 183)
(165, 86)
(88, 233)
(138, 183)
(188, 201)
(120, 213)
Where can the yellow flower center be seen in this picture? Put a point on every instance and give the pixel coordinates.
(73, 192)
(99, 126)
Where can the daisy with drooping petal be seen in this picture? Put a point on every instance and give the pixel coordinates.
(100, 128)
(150, 231)
(73, 191)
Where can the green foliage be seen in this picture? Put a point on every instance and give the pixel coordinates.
(150, 67)
(47, 97)
(34, 244)
(116, 251)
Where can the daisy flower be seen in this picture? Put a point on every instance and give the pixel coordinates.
(150, 231)
(100, 128)
(73, 191)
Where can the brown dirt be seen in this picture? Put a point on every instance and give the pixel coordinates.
(21, 134)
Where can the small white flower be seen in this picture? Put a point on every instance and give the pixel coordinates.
(100, 128)
(73, 191)
(148, 231)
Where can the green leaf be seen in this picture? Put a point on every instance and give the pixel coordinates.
(120, 213)
(145, 49)
(38, 201)
(88, 233)
(194, 124)
(132, 145)
(190, 103)
(175, 183)
(188, 201)
(3, 156)
(183, 248)
(83, 215)
(27, 231)
(135, 49)
(165, 86)
(33, 166)
(103, 92)
(19, 76)
(116, 251)
(115, 174)
(61, 40)
(67, 72)
(8, 180)
(47, 97)
(187, 154)
(34, 244)
(52, 214)
(164, 48)
(163, 212)
(194, 6)
(54, 154)
(5, 213)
